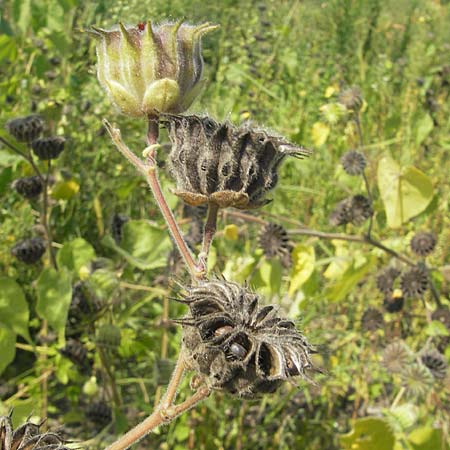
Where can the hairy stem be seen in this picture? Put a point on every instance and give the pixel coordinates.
(208, 234)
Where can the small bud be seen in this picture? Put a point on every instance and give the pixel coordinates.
(48, 148)
(150, 69)
(25, 129)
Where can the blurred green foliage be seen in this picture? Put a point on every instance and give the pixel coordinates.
(283, 65)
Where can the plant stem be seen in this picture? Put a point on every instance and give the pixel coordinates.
(208, 234)
(107, 367)
(44, 216)
(149, 169)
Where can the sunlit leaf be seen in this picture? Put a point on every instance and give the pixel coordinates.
(320, 133)
(75, 254)
(405, 192)
(65, 190)
(270, 272)
(426, 438)
(369, 434)
(424, 127)
(7, 346)
(303, 260)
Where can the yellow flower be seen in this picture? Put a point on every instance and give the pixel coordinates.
(150, 69)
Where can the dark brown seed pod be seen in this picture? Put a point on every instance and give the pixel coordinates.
(414, 283)
(354, 210)
(237, 346)
(48, 148)
(27, 437)
(99, 413)
(25, 129)
(28, 187)
(372, 319)
(423, 243)
(274, 241)
(219, 163)
(341, 214)
(351, 98)
(353, 162)
(76, 352)
(29, 251)
(434, 362)
(386, 279)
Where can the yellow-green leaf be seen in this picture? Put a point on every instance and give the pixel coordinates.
(303, 261)
(65, 190)
(75, 254)
(406, 192)
(369, 433)
(7, 346)
(320, 133)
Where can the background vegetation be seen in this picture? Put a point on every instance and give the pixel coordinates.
(282, 64)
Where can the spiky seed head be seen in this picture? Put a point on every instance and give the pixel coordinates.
(150, 69)
(396, 356)
(394, 301)
(351, 98)
(49, 147)
(423, 243)
(372, 319)
(29, 251)
(434, 362)
(219, 163)
(25, 129)
(386, 279)
(28, 187)
(274, 241)
(414, 282)
(417, 379)
(354, 210)
(353, 162)
(237, 346)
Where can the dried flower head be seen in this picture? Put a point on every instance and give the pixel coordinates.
(423, 243)
(238, 347)
(223, 164)
(99, 413)
(29, 251)
(25, 129)
(386, 279)
(27, 437)
(414, 282)
(354, 210)
(353, 162)
(417, 379)
(28, 187)
(394, 301)
(372, 319)
(351, 98)
(48, 148)
(148, 69)
(434, 362)
(396, 356)
(274, 241)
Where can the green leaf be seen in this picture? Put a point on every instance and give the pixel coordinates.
(271, 272)
(426, 438)
(75, 254)
(369, 433)
(8, 48)
(436, 328)
(54, 291)
(424, 127)
(7, 346)
(143, 245)
(303, 261)
(14, 312)
(349, 280)
(405, 192)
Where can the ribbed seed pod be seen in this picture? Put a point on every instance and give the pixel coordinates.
(354, 210)
(76, 352)
(414, 283)
(274, 241)
(108, 336)
(27, 437)
(351, 98)
(423, 243)
(99, 413)
(385, 280)
(25, 129)
(372, 319)
(28, 187)
(117, 223)
(341, 214)
(238, 347)
(434, 362)
(417, 379)
(394, 301)
(223, 164)
(29, 251)
(396, 356)
(353, 162)
(48, 148)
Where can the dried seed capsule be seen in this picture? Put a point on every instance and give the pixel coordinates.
(237, 346)
(274, 241)
(29, 251)
(25, 129)
(386, 279)
(434, 362)
(353, 162)
(423, 243)
(48, 148)
(76, 352)
(414, 283)
(396, 356)
(372, 319)
(219, 163)
(99, 413)
(351, 98)
(28, 187)
(354, 210)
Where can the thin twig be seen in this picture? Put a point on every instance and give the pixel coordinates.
(45, 215)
